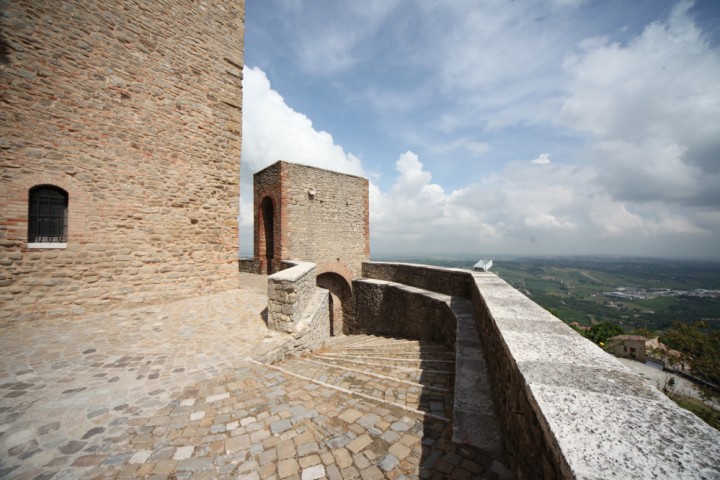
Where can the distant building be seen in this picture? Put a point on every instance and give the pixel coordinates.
(483, 265)
(636, 347)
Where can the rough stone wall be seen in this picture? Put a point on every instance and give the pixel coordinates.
(450, 281)
(296, 306)
(289, 292)
(386, 308)
(323, 217)
(133, 108)
(310, 333)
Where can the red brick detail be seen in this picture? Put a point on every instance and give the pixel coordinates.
(338, 268)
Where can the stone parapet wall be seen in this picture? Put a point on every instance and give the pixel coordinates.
(310, 333)
(134, 109)
(289, 293)
(392, 309)
(586, 415)
(449, 281)
(249, 265)
(567, 408)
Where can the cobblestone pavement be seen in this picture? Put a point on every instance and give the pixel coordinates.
(168, 392)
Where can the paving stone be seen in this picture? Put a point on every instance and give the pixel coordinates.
(195, 464)
(183, 453)
(215, 398)
(286, 449)
(350, 415)
(288, 467)
(280, 426)
(350, 472)
(313, 473)
(333, 473)
(368, 420)
(400, 451)
(249, 476)
(372, 473)
(234, 444)
(309, 461)
(359, 443)
(88, 460)
(73, 446)
(361, 461)
(268, 470)
(140, 456)
(389, 462)
(343, 458)
(250, 420)
(307, 449)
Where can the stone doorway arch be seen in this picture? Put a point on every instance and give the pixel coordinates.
(266, 235)
(340, 294)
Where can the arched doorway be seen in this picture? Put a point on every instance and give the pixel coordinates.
(340, 292)
(267, 234)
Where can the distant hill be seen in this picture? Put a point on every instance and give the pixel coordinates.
(631, 292)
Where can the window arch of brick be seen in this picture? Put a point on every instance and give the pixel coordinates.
(47, 215)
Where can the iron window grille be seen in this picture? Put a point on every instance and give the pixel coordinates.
(47, 221)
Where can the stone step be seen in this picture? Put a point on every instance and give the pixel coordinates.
(433, 364)
(372, 341)
(389, 370)
(400, 348)
(435, 378)
(384, 389)
(399, 355)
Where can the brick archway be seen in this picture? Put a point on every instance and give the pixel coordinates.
(336, 278)
(338, 268)
(267, 233)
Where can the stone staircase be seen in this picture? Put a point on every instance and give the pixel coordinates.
(409, 374)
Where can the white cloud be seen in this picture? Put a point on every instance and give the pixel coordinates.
(331, 40)
(554, 208)
(273, 131)
(651, 108)
(543, 159)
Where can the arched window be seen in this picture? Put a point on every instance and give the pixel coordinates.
(48, 214)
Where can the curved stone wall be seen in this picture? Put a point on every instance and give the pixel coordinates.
(567, 408)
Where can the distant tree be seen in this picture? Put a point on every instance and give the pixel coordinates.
(700, 346)
(602, 331)
(669, 387)
(644, 332)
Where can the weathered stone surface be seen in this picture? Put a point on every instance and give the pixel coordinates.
(568, 409)
(134, 109)
(329, 208)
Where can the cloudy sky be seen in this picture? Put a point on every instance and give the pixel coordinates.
(493, 127)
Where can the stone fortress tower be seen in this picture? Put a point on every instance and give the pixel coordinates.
(312, 214)
(120, 133)
(315, 215)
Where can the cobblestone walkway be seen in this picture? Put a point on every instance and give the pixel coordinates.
(168, 392)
